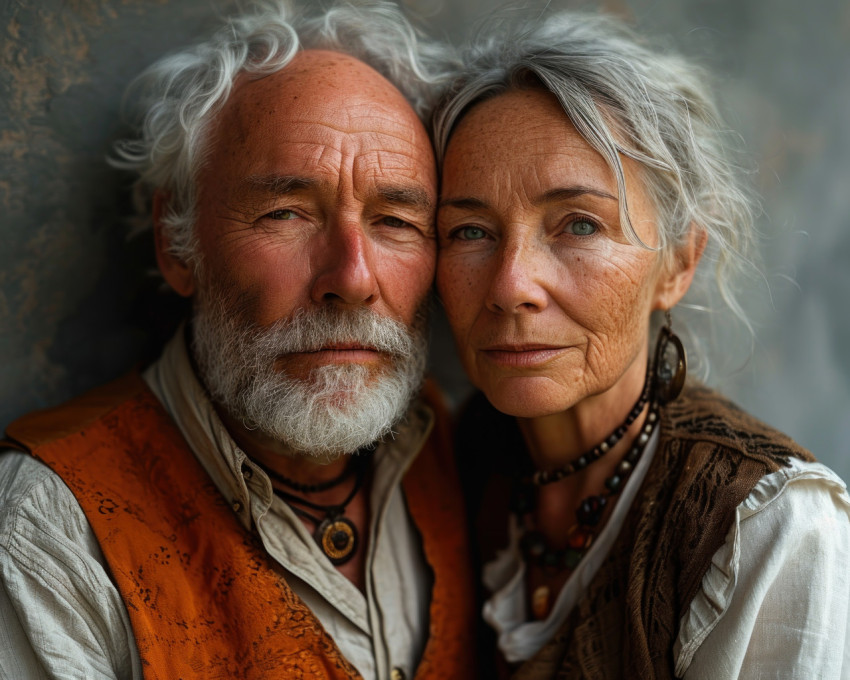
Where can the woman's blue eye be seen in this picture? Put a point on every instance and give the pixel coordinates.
(470, 233)
(581, 227)
(282, 215)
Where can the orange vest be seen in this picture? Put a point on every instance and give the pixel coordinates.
(204, 598)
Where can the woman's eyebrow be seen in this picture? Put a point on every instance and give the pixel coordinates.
(559, 194)
(567, 193)
(469, 203)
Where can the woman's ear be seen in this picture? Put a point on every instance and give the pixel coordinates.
(177, 273)
(675, 282)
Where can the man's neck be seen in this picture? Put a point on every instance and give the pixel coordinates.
(277, 457)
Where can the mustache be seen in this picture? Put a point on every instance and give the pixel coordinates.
(314, 329)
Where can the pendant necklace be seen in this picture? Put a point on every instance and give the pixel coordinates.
(335, 534)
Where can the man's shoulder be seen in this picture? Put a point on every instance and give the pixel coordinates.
(35, 504)
(42, 427)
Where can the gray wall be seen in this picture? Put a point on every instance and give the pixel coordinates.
(76, 306)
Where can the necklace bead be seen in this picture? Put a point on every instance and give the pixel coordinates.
(589, 513)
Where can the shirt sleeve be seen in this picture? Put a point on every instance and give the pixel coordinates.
(60, 614)
(774, 603)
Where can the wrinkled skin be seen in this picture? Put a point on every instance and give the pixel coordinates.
(548, 300)
(318, 189)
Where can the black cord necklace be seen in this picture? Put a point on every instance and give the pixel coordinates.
(541, 477)
(335, 534)
(311, 488)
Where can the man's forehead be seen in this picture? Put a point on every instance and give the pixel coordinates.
(389, 189)
(321, 66)
(314, 118)
(308, 148)
(321, 79)
(321, 89)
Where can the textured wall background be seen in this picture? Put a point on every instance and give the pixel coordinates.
(75, 305)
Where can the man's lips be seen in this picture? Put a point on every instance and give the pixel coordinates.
(343, 352)
(524, 355)
(341, 347)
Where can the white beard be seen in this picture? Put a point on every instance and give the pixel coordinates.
(338, 408)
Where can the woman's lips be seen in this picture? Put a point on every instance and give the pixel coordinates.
(522, 356)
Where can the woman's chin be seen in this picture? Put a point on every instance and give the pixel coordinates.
(529, 398)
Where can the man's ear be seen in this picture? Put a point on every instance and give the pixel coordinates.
(177, 273)
(674, 283)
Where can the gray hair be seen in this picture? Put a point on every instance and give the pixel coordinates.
(625, 99)
(179, 95)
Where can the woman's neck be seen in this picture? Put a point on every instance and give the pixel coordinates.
(555, 440)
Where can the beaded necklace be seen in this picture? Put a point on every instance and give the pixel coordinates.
(533, 546)
(588, 515)
(541, 477)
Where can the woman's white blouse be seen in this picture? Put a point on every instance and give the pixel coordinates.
(775, 602)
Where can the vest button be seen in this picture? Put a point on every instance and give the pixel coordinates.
(237, 506)
(397, 674)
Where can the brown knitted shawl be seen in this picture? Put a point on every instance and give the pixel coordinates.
(710, 456)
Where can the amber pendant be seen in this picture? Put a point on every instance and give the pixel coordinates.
(541, 602)
(337, 537)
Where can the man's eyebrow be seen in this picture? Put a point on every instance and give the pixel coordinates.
(279, 184)
(413, 197)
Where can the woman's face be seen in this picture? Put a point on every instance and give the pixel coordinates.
(548, 301)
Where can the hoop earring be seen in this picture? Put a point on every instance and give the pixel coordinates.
(669, 372)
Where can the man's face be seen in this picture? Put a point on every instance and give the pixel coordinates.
(315, 199)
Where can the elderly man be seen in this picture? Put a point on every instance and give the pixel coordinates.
(269, 499)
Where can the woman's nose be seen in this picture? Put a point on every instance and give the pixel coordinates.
(516, 285)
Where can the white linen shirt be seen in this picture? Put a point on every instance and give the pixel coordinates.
(62, 617)
(775, 602)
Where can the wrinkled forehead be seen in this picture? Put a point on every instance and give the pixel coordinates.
(324, 87)
(324, 117)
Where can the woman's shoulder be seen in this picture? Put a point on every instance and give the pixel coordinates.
(703, 415)
(802, 489)
(778, 561)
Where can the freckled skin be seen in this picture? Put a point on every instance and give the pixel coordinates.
(548, 301)
(531, 279)
(337, 123)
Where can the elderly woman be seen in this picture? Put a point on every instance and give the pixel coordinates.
(630, 525)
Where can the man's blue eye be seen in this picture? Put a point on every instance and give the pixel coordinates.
(395, 222)
(470, 233)
(282, 215)
(581, 227)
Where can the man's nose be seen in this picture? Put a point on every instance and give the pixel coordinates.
(345, 268)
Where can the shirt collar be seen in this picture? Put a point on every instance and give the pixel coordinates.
(174, 382)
